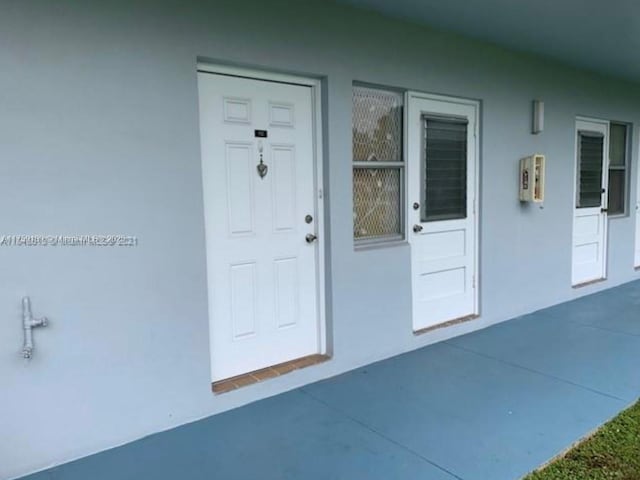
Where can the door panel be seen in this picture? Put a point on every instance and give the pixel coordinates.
(284, 187)
(262, 274)
(239, 159)
(590, 217)
(442, 218)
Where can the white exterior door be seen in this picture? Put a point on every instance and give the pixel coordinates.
(258, 166)
(442, 169)
(590, 212)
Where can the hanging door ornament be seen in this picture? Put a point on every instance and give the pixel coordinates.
(262, 167)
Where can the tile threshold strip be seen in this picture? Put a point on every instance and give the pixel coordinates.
(233, 383)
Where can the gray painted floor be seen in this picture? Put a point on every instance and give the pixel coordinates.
(491, 405)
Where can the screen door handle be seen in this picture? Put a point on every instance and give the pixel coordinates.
(417, 228)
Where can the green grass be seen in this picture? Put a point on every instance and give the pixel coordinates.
(612, 453)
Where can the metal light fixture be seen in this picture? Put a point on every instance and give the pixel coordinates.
(538, 117)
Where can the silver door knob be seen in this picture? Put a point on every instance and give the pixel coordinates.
(310, 238)
(417, 228)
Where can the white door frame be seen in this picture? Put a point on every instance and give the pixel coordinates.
(636, 205)
(604, 201)
(409, 173)
(316, 94)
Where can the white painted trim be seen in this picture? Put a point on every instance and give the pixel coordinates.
(636, 206)
(258, 74)
(445, 98)
(583, 118)
(316, 100)
(316, 92)
(410, 95)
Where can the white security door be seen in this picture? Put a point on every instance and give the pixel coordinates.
(442, 219)
(258, 167)
(590, 212)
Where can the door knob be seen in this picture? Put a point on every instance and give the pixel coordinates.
(310, 238)
(417, 228)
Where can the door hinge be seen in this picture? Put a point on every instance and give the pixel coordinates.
(473, 281)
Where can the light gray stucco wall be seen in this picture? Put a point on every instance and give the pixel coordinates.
(99, 134)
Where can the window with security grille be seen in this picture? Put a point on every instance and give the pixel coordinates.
(618, 149)
(378, 167)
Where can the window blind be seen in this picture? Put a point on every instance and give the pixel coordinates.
(444, 169)
(590, 180)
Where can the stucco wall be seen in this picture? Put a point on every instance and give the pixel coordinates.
(99, 134)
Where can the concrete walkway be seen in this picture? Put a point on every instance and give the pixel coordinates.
(492, 405)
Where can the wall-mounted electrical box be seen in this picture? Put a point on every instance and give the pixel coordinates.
(532, 179)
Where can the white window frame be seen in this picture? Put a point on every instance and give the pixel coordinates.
(626, 169)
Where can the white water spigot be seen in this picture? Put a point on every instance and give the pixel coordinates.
(28, 324)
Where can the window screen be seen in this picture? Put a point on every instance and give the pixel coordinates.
(376, 202)
(444, 175)
(378, 167)
(377, 125)
(591, 147)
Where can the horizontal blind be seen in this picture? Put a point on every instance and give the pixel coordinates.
(590, 182)
(445, 169)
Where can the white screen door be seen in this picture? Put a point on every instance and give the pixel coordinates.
(441, 183)
(590, 212)
(260, 215)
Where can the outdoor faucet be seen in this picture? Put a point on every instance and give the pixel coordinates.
(28, 324)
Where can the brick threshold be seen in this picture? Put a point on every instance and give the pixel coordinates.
(233, 383)
(590, 282)
(455, 321)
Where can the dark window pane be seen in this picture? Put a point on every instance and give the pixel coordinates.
(376, 202)
(590, 169)
(617, 144)
(377, 125)
(617, 171)
(616, 192)
(444, 170)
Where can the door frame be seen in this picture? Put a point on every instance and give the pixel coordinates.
(476, 105)
(636, 204)
(605, 197)
(315, 84)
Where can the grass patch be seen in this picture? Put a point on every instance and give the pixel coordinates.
(613, 453)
